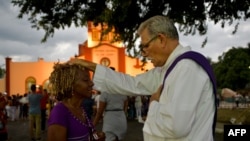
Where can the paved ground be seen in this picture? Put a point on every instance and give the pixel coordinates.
(18, 131)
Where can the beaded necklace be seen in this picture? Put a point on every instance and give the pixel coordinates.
(84, 120)
(81, 117)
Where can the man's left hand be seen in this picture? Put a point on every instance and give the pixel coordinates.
(156, 96)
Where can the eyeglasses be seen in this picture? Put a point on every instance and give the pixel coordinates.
(142, 46)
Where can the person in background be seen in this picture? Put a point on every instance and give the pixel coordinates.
(182, 105)
(25, 107)
(138, 107)
(97, 100)
(49, 104)
(237, 99)
(7, 107)
(88, 104)
(23, 102)
(145, 105)
(68, 120)
(34, 99)
(131, 108)
(3, 118)
(113, 107)
(11, 108)
(20, 107)
(43, 104)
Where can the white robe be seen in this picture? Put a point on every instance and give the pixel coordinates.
(186, 107)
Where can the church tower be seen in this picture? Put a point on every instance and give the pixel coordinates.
(102, 52)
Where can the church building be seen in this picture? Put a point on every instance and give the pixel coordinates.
(21, 75)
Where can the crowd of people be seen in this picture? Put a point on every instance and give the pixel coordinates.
(234, 102)
(32, 106)
(15, 109)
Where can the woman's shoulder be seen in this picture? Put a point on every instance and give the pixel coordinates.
(60, 105)
(58, 114)
(60, 108)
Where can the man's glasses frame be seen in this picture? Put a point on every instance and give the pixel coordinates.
(142, 46)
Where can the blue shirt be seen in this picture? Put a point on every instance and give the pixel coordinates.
(34, 103)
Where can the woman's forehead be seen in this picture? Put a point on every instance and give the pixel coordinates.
(84, 73)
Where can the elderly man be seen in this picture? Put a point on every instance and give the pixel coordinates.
(182, 104)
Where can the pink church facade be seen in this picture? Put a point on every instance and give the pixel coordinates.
(20, 75)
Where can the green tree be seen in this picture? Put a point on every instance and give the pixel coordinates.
(2, 72)
(126, 15)
(233, 68)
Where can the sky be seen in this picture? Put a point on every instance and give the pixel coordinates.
(23, 43)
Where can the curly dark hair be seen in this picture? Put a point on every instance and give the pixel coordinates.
(62, 79)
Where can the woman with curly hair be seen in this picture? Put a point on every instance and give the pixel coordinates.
(68, 120)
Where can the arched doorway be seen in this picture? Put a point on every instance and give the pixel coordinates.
(47, 85)
(28, 82)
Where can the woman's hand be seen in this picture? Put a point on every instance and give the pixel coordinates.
(101, 136)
